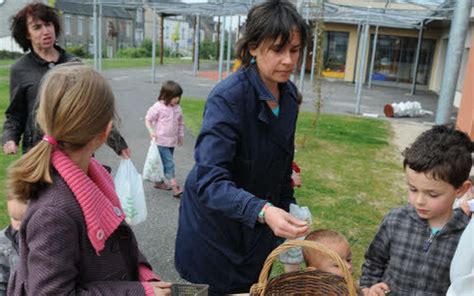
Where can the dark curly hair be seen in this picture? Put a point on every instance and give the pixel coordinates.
(169, 90)
(270, 20)
(442, 151)
(19, 26)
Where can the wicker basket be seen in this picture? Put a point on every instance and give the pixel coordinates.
(189, 290)
(312, 282)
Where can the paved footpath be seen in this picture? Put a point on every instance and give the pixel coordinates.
(135, 94)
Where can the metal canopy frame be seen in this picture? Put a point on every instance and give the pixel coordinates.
(408, 14)
(384, 13)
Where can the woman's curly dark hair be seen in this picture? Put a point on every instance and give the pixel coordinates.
(19, 26)
(442, 151)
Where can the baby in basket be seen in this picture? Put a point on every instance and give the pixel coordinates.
(334, 241)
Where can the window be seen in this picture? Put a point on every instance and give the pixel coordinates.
(335, 51)
(395, 57)
(139, 16)
(80, 26)
(91, 27)
(139, 35)
(129, 29)
(67, 24)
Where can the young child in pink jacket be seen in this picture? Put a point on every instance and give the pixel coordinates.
(164, 121)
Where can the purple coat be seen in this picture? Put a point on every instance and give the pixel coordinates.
(62, 260)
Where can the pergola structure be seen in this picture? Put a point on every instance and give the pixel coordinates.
(407, 14)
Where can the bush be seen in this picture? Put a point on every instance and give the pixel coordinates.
(78, 51)
(209, 50)
(144, 51)
(147, 44)
(132, 52)
(9, 55)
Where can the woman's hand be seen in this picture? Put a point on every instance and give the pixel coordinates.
(161, 288)
(466, 208)
(10, 147)
(296, 178)
(285, 225)
(379, 289)
(125, 153)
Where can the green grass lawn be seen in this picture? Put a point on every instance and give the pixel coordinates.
(4, 160)
(141, 62)
(351, 173)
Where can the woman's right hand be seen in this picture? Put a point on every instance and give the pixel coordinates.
(10, 147)
(285, 225)
(161, 288)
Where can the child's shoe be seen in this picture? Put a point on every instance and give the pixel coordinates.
(177, 191)
(162, 185)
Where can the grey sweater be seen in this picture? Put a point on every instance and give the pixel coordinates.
(405, 255)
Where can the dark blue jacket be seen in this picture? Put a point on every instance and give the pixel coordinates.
(243, 158)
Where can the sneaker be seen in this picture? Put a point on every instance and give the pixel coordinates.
(162, 185)
(177, 191)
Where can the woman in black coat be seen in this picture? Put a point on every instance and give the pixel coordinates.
(36, 28)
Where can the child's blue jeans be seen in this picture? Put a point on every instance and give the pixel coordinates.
(166, 154)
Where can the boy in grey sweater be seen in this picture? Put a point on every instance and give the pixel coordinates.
(413, 248)
(9, 243)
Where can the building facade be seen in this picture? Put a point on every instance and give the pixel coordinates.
(395, 55)
(119, 27)
(178, 31)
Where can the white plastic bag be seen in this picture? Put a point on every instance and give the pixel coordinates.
(129, 187)
(153, 168)
(295, 255)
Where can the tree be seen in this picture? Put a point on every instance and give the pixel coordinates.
(175, 37)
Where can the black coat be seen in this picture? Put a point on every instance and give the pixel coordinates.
(20, 121)
(243, 159)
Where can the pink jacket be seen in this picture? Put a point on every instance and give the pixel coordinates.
(168, 123)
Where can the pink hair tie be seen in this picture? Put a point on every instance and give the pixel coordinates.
(50, 140)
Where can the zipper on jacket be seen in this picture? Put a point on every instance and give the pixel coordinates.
(427, 243)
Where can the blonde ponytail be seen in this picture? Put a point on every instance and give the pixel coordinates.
(27, 174)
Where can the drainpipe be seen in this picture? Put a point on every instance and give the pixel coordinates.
(153, 48)
(417, 59)
(457, 36)
(94, 24)
(221, 48)
(196, 46)
(372, 60)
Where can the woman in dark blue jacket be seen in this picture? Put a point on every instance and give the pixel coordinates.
(236, 198)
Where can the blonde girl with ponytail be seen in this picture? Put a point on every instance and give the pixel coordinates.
(73, 237)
